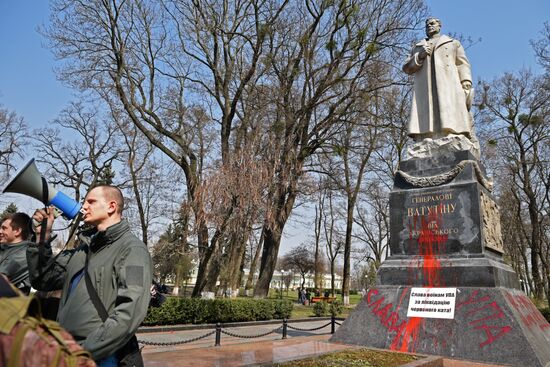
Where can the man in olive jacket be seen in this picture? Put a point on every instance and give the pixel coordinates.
(15, 230)
(119, 266)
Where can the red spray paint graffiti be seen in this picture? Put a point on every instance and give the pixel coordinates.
(391, 321)
(431, 244)
(483, 309)
(530, 316)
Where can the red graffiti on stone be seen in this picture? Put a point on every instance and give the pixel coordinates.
(491, 337)
(485, 309)
(431, 244)
(386, 313)
(407, 335)
(529, 314)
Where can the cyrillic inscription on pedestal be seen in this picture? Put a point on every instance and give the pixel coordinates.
(450, 216)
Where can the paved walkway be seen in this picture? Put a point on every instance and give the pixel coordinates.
(260, 353)
(238, 351)
(267, 350)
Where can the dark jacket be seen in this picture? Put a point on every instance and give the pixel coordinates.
(120, 268)
(13, 263)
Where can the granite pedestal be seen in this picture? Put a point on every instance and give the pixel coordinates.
(445, 232)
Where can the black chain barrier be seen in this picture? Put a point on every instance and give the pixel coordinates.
(147, 342)
(313, 329)
(218, 331)
(251, 336)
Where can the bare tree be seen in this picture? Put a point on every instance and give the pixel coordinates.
(321, 63)
(317, 257)
(140, 56)
(300, 261)
(334, 245)
(83, 162)
(349, 154)
(151, 195)
(373, 223)
(517, 106)
(13, 135)
(542, 47)
(180, 71)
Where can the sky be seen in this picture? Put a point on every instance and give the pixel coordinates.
(28, 84)
(29, 87)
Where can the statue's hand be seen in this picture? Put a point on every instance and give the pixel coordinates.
(424, 52)
(466, 85)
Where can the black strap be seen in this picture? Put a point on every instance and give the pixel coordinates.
(94, 297)
(129, 350)
(45, 191)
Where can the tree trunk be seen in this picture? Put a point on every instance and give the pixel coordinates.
(139, 202)
(254, 264)
(272, 241)
(213, 273)
(347, 253)
(332, 277)
(205, 253)
(317, 260)
(273, 230)
(233, 260)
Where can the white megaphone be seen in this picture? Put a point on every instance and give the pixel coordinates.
(28, 181)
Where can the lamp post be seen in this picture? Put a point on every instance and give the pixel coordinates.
(282, 283)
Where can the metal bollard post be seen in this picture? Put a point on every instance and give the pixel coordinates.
(332, 324)
(218, 334)
(285, 323)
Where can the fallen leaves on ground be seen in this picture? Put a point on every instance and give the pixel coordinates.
(353, 358)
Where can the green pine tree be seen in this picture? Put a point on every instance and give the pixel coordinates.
(106, 176)
(10, 209)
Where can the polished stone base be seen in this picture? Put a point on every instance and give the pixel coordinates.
(445, 232)
(447, 271)
(493, 325)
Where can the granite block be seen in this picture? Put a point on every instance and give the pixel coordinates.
(493, 325)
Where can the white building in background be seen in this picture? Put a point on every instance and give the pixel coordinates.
(279, 277)
(278, 280)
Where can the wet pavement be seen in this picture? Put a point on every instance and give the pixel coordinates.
(236, 351)
(266, 350)
(245, 354)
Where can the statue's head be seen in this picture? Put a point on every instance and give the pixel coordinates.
(433, 26)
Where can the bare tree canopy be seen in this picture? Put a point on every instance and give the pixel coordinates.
(542, 47)
(299, 260)
(13, 134)
(516, 107)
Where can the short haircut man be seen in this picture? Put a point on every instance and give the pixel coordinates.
(112, 193)
(15, 230)
(19, 222)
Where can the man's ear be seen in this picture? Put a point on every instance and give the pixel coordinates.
(112, 207)
(17, 232)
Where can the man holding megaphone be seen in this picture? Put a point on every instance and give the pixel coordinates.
(105, 279)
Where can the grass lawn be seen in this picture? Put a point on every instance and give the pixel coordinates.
(353, 358)
(300, 311)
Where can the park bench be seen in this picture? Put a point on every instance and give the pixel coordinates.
(321, 299)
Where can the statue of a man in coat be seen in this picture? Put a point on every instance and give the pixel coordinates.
(442, 86)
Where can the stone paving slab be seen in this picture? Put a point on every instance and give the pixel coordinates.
(244, 354)
(176, 336)
(267, 350)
